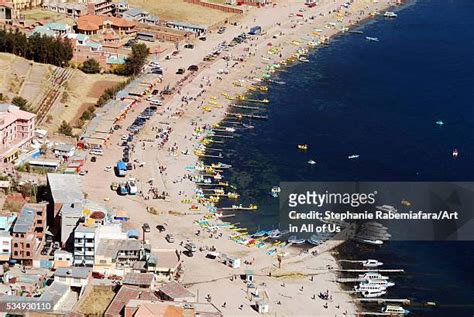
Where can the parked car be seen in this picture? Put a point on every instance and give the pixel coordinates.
(98, 275)
(180, 71)
(146, 227)
(191, 247)
(161, 228)
(93, 159)
(108, 168)
(169, 238)
(189, 46)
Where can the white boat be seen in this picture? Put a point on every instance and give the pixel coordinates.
(372, 276)
(369, 241)
(230, 129)
(387, 208)
(275, 191)
(353, 156)
(295, 240)
(373, 284)
(248, 126)
(303, 59)
(390, 14)
(371, 263)
(394, 310)
(372, 39)
(311, 162)
(373, 293)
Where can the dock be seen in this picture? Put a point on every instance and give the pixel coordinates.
(250, 116)
(371, 270)
(403, 301)
(245, 107)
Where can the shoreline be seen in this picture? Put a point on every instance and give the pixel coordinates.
(200, 273)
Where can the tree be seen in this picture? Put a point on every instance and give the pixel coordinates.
(86, 115)
(90, 66)
(21, 103)
(135, 61)
(65, 128)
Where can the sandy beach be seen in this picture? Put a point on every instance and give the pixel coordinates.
(293, 288)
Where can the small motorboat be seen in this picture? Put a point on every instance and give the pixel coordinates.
(303, 59)
(353, 156)
(406, 203)
(394, 310)
(373, 293)
(311, 162)
(248, 126)
(455, 153)
(372, 39)
(440, 122)
(296, 240)
(302, 147)
(275, 191)
(371, 263)
(390, 14)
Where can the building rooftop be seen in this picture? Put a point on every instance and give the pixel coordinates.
(54, 293)
(124, 295)
(110, 247)
(138, 279)
(65, 188)
(74, 272)
(64, 147)
(133, 12)
(10, 113)
(26, 218)
(175, 290)
(93, 22)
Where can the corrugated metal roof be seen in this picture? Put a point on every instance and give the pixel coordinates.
(65, 188)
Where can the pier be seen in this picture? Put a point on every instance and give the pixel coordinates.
(403, 301)
(371, 270)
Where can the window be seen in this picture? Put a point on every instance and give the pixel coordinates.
(28, 253)
(15, 245)
(28, 246)
(15, 253)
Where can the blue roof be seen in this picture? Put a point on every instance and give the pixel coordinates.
(57, 26)
(93, 44)
(121, 165)
(133, 233)
(134, 12)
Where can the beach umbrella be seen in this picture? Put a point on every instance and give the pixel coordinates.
(269, 44)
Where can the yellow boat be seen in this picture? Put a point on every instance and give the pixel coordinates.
(233, 195)
(241, 97)
(251, 88)
(302, 147)
(206, 108)
(263, 88)
(237, 83)
(213, 102)
(213, 97)
(406, 203)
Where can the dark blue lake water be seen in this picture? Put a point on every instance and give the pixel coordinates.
(380, 100)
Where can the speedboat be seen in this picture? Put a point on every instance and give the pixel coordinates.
(248, 126)
(394, 310)
(353, 156)
(379, 283)
(455, 153)
(303, 59)
(372, 276)
(296, 240)
(302, 147)
(386, 208)
(315, 240)
(390, 14)
(439, 122)
(372, 39)
(275, 191)
(373, 293)
(311, 162)
(371, 263)
(369, 241)
(259, 234)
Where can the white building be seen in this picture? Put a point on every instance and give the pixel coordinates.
(5, 246)
(73, 276)
(84, 245)
(64, 150)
